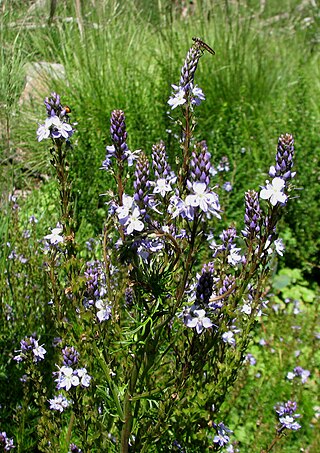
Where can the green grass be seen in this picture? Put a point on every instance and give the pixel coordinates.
(262, 82)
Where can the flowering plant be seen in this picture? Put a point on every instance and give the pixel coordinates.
(162, 313)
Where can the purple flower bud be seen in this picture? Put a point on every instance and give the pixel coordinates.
(227, 283)
(189, 67)
(284, 158)
(95, 283)
(141, 183)
(228, 236)
(70, 356)
(54, 107)
(205, 285)
(160, 164)
(118, 133)
(128, 297)
(27, 344)
(200, 164)
(252, 215)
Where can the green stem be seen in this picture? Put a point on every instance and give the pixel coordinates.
(70, 426)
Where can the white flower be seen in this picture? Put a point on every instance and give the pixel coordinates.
(59, 403)
(178, 98)
(201, 198)
(134, 223)
(228, 337)
(274, 191)
(124, 210)
(162, 186)
(84, 377)
(132, 156)
(279, 246)
(104, 312)
(291, 375)
(234, 256)
(67, 378)
(55, 236)
(38, 352)
(200, 321)
(246, 309)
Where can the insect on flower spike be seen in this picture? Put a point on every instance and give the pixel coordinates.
(202, 45)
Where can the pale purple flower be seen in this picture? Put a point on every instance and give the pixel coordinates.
(111, 150)
(85, 378)
(197, 96)
(54, 237)
(104, 308)
(289, 422)
(227, 186)
(178, 207)
(304, 374)
(44, 130)
(200, 321)
(251, 359)
(5, 442)
(279, 246)
(67, 378)
(222, 436)
(202, 198)
(134, 223)
(274, 191)
(62, 130)
(299, 372)
(38, 352)
(162, 186)
(132, 156)
(124, 210)
(179, 98)
(228, 337)
(59, 403)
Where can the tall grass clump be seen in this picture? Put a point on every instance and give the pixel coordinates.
(132, 341)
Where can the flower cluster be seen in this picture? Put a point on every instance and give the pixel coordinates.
(96, 290)
(57, 124)
(281, 172)
(30, 349)
(284, 158)
(59, 403)
(200, 164)
(186, 92)
(119, 150)
(252, 215)
(74, 449)
(287, 416)
(299, 372)
(69, 377)
(222, 436)
(160, 165)
(5, 442)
